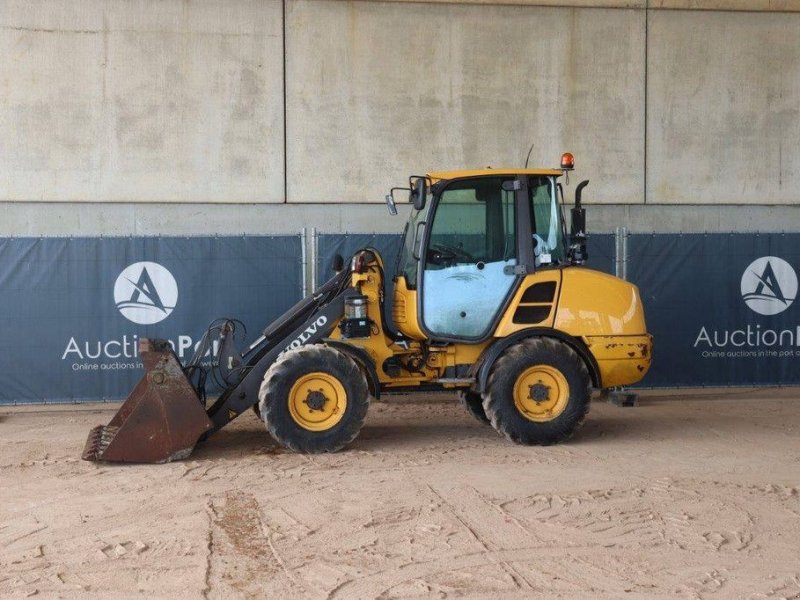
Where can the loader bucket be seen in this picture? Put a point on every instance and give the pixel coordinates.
(161, 420)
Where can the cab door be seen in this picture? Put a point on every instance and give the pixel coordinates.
(468, 268)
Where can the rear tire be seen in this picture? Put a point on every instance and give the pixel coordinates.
(538, 392)
(314, 399)
(473, 403)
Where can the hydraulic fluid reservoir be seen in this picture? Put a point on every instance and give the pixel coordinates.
(355, 324)
(355, 307)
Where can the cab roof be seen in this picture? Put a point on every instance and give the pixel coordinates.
(443, 175)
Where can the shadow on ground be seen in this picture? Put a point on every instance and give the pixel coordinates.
(403, 429)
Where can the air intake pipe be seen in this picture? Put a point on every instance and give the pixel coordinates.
(577, 247)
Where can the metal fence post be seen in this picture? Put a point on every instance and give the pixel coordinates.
(621, 252)
(303, 263)
(625, 236)
(314, 258)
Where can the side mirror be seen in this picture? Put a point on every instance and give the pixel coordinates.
(419, 193)
(391, 205)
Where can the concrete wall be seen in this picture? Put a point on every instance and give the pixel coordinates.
(723, 111)
(143, 101)
(167, 117)
(462, 85)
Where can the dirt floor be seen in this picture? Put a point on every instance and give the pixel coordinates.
(687, 495)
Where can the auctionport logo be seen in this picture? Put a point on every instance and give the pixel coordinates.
(769, 285)
(145, 293)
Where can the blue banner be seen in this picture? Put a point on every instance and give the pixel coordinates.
(72, 309)
(721, 307)
(346, 244)
(601, 252)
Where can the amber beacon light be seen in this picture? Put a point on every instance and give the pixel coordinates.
(567, 161)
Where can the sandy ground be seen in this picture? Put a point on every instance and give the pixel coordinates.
(686, 495)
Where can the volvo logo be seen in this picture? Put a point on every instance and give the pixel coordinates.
(307, 333)
(145, 293)
(769, 285)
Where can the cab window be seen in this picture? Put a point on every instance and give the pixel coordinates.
(472, 240)
(546, 221)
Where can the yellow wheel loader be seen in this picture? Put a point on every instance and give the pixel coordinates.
(489, 299)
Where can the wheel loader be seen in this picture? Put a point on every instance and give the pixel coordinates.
(490, 299)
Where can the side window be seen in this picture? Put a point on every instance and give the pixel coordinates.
(406, 263)
(546, 221)
(474, 221)
(472, 240)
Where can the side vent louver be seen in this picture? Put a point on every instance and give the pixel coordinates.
(536, 303)
(540, 292)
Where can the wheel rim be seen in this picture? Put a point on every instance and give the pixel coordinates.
(317, 401)
(541, 393)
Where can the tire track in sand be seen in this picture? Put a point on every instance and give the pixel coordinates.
(242, 553)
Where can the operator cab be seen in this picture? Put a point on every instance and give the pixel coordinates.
(482, 232)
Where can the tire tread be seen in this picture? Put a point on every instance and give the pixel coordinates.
(498, 401)
(281, 376)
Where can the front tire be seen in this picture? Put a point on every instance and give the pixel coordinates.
(538, 392)
(314, 399)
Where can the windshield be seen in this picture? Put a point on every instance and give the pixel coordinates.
(546, 226)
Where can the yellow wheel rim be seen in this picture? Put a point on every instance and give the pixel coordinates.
(541, 393)
(317, 401)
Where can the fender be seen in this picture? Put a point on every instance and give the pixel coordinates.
(483, 365)
(363, 359)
